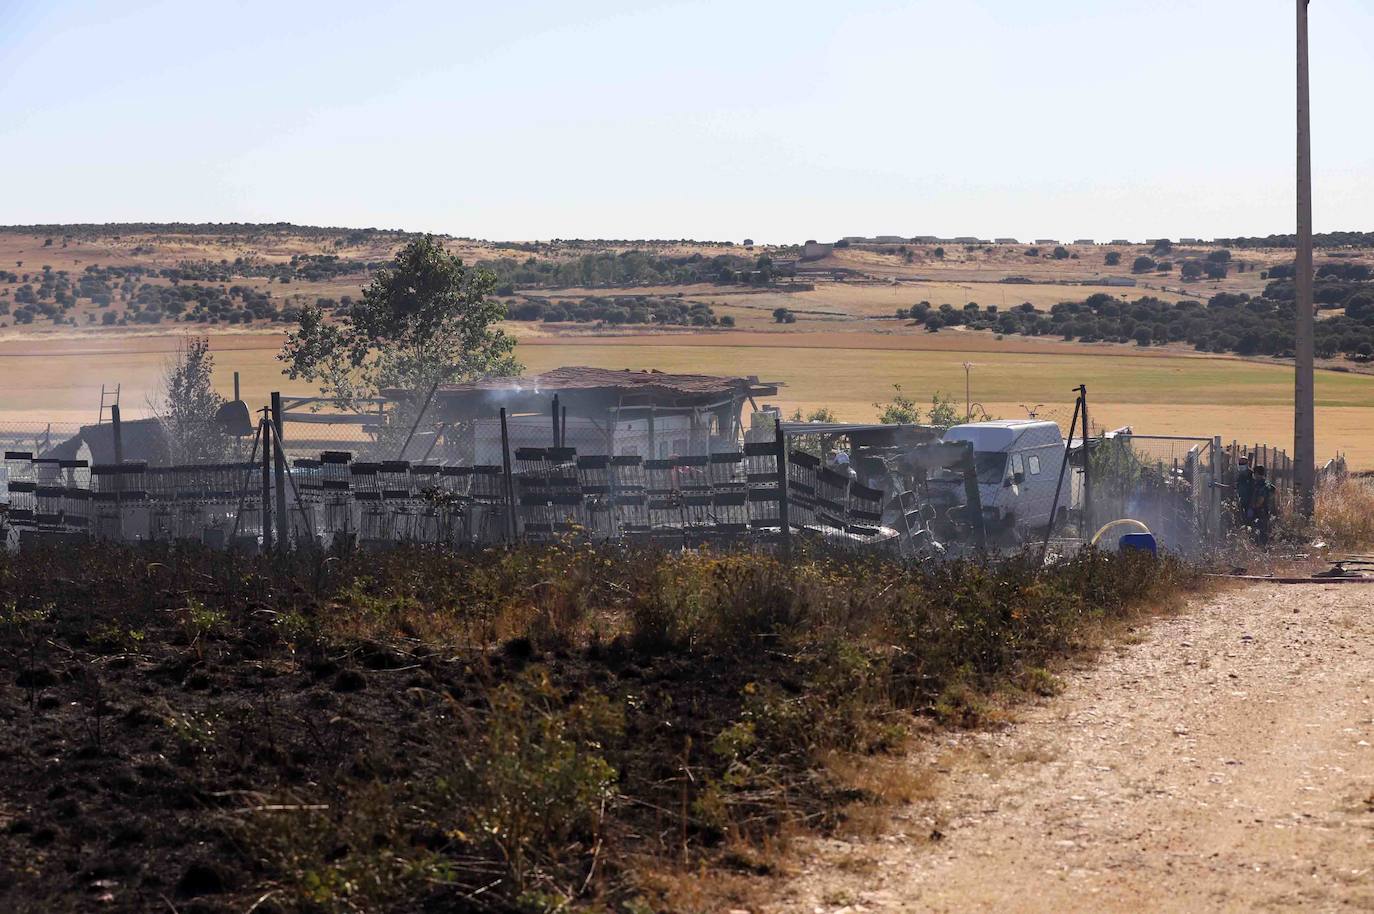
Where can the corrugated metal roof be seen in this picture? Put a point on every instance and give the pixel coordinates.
(586, 378)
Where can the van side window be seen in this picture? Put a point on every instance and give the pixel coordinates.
(1034, 461)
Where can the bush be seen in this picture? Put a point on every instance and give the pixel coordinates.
(1113, 258)
(1143, 264)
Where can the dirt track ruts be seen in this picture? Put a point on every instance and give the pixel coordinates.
(1222, 763)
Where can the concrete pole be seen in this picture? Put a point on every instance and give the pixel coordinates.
(1304, 422)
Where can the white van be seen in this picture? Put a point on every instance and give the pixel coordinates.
(1018, 463)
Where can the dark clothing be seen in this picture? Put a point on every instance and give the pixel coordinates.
(1245, 487)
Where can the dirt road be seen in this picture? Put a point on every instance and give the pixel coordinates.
(1223, 763)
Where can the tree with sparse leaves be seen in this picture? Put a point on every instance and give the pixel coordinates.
(188, 404)
(425, 319)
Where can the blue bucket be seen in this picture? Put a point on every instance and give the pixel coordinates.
(1145, 542)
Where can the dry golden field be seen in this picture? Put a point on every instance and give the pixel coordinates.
(845, 352)
(1155, 391)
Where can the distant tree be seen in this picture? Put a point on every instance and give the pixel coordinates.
(1360, 306)
(1113, 258)
(727, 321)
(749, 242)
(1162, 246)
(1032, 252)
(187, 405)
(1190, 270)
(1222, 256)
(1214, 270)
(900, 410)
(1061, 253)
(425, 319)
(939, 253)
(783, 316)
(942, 413)
(1143, 336)
(1143, 264)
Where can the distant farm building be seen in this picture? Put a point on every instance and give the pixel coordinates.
(1117, 281)
(1046, 241)
(1120, 241)
(140, 439)
(632, 413)
(815, 250)
(1007, 241)
(1087, 241)
(890, 239)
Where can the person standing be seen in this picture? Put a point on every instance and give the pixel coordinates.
(1245, 486)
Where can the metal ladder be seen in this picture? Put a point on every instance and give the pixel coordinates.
(108, 398)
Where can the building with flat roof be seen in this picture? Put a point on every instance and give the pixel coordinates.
(604, 411)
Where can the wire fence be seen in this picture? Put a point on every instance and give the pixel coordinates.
(433, 479)
(534, 493)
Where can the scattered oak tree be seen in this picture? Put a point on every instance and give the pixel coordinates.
(426, 319)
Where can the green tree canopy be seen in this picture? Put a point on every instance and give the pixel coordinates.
(425, 319)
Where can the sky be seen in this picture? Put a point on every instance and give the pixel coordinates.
(775, 121)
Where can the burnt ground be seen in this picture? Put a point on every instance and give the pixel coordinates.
(141, 768)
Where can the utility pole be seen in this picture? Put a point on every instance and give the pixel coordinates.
(968, 397)
(1304, 422)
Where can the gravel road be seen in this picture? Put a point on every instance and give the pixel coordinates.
(1221, 763)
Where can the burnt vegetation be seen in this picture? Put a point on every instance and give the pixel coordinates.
(524, 729)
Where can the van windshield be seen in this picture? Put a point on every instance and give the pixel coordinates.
(991, 467)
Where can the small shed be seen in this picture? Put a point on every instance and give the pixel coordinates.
(647, 413)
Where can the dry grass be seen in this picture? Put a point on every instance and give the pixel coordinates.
(1343, 515)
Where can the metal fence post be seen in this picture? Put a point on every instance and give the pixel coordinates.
(283, 516)
(266, 484)
(1214, 520)
(784, 514)
(512, 526)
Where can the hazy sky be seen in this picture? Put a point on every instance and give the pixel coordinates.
(778, 121)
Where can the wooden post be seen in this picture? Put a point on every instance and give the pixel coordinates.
(236, 385)
(512, 527)
(117, 432)
(556, 442)
(283, 515)
(653, 448)
(784, 514)
(266, 485)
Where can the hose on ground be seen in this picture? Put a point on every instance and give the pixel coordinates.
(1116, 523)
